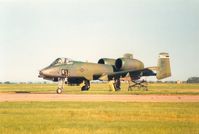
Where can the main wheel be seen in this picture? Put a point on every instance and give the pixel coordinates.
(59, 91)
(85, 88)
(117, 85)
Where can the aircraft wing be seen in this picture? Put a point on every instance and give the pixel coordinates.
(134, 74)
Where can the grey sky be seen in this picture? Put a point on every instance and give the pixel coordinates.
(34, 33)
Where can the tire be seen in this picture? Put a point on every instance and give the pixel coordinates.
(59, 91)
(85, 88)
(116, 87)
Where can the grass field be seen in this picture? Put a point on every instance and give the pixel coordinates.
(99, 118)
(192, 89)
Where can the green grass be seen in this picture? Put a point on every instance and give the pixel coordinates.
(98, 117)
(192, 89)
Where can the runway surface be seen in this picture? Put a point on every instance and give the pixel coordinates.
(5, 97)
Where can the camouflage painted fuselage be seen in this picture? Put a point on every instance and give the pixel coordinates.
(106, 69)
(77, 71)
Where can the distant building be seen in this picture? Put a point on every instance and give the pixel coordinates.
(179, 82)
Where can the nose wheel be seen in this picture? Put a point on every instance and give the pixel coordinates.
(59, 90)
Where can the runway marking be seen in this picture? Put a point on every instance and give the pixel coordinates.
(5, 97)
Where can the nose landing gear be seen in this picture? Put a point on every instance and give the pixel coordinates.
(60, 85)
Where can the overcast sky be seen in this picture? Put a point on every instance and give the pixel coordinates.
(33, 33)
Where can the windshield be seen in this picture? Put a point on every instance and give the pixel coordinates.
(60, 61)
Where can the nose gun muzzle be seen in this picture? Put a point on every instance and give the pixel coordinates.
(40, 74)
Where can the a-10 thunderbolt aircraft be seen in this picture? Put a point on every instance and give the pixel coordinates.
(66, 71)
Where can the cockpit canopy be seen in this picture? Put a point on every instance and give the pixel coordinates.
(60, 61)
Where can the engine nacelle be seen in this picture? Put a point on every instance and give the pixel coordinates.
(128, 64)
(107, 61)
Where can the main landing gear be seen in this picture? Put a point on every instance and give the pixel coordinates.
(61, 83)
(114, 85)
(138, 84)
(117, 85)
(86, 86)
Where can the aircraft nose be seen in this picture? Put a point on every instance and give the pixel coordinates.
(49, 72)
(43, 72)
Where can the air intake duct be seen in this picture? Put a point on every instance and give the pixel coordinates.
(107, 61)
(128, 64)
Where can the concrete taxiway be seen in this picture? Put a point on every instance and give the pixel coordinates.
(6, 97)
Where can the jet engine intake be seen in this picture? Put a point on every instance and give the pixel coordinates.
(128, 64)
(107, 61)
